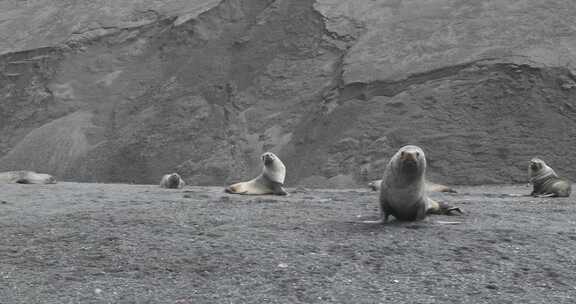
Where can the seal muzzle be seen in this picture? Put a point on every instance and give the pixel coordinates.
(267, 159)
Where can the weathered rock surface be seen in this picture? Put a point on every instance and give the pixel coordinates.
(124, 91)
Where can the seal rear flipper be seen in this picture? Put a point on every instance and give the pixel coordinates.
(377, 222)
(233, 189)
(546, 195)
(228, 190)
(443, 209)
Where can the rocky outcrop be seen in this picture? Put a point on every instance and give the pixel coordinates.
(125, 91)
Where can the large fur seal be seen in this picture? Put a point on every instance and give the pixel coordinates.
(270, 181)
(172, 181)
(26, 177)
(430, 187)
(403, 191)
(546, 182)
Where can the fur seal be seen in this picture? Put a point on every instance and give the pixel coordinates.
(172, 181)
(403, 192)
(430, 187)
(270, 181)
(546, 182)
(26, 177)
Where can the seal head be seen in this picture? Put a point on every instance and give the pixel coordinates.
(172, 181)
(273, 168)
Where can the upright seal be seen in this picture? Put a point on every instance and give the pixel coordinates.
(403, 191)
(546, 182)
(270, 181)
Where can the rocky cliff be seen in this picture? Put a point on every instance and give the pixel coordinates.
(124, 91)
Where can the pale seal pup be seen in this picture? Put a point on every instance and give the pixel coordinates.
(26, 177)
(270, 181)
(172, 181)
(430, 186)
(403, 192)
(546, 182)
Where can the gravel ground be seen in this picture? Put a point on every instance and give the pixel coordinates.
(115, 243)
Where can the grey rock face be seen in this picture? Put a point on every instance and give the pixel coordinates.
(124, 91)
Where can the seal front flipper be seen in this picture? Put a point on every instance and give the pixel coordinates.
(277, 189)
(228, 190)
(383, 219)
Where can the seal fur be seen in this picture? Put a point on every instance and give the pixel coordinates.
(546, 182)
(172, 181)
(270, 181)
(430, 187)
(403, 192)
(26, 177)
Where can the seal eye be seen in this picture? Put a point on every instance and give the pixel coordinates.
(417, 154)
(402, 154)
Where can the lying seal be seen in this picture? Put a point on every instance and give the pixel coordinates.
(430, 187)
(26, 177)
(172, 181)
(270, 181)
(546, 182)
(403, 191)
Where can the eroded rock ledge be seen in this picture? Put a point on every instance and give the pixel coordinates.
(124, 91)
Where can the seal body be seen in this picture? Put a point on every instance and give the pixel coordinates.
(26, 177)
(270, 181)
(430, 187)
(403, 191)
(172, 181)
(546, 182)
(434, 187)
